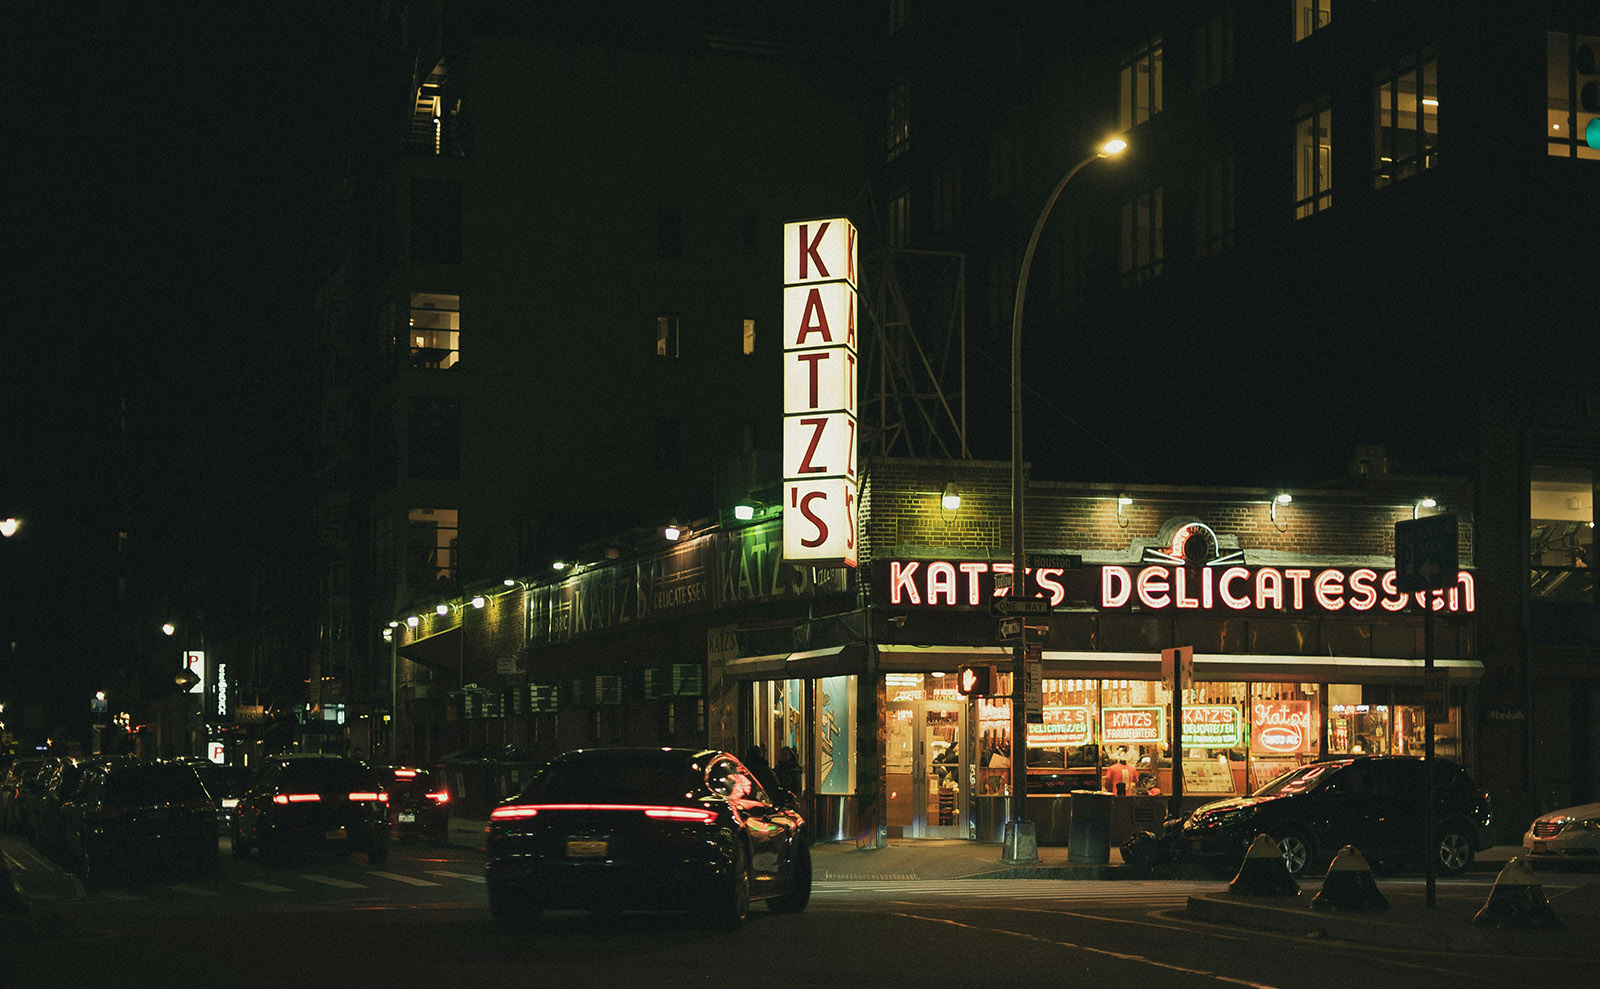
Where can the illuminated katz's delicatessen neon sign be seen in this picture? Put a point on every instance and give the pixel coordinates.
(1169, 587)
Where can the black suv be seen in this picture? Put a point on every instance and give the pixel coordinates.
(313, 803)
(1375, 803)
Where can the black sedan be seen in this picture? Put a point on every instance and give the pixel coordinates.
(313, 803)
(646, 829)
(1375, 803)
(132, 815)
(419, 804)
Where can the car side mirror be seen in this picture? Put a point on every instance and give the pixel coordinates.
(785, 799)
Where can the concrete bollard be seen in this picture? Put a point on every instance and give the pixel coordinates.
(1517, 900)
(1349, 885)
(1264, 873)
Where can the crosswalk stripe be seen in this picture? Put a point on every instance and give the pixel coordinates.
(457, 875)
(116, 894)
(397, 877)
(330, 881)
(194, 890)
(267, 887)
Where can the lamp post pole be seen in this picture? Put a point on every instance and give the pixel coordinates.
(1021, 844)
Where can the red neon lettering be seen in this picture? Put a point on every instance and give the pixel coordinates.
(1229, 598)
(808, 250)
(972, 570)
(1329, 589)
(1393, 600)
(1269, 588)
(809, 326)
(817, 426)
(902, 582)
(813, 358)
(1364, 596)
(1048, 580)
(941, 583)
(1469, 593)
(804, 504)
(1298, 578)
(1180, 576)
(1116, 586)
(1153, 587)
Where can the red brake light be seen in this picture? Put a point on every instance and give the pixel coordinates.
(681, 814)
(405, 774)
(513, 813)
(522, 811)
(296, 798)
(441, 797)
(370, 795)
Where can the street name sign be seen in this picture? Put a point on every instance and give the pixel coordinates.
(1425, 553)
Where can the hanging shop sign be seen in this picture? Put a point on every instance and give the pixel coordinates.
(1062, 726)
(1167, 587)
(1133, 724)
(1281, 727)
(1212, 726)
(819, 392)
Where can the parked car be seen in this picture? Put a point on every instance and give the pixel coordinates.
(313, 803)
(58, 786)
(419, 804)
(645, 829)
(30, 793)
(131, 814)
(1569, 836)
(225, 783)
(1375, 803)
(11, 787)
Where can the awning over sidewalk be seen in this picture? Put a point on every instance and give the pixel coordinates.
(1063, 664)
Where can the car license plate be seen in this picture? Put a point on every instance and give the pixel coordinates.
(1539, 848)
(334, 834)
(587, 849)
(408, 817)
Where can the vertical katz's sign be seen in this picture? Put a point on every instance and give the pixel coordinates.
(819, 392)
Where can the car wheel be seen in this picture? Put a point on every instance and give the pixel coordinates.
(509, 912)
(1453, 854)
(732, 899)
(798, 893)
(1296, 848)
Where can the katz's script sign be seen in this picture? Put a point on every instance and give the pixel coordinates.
(819, 392)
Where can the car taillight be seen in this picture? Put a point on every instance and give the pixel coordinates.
(513, 813)
(681, 814)
(441, 797)
(405, 774)
(296, 798)
(369, 795)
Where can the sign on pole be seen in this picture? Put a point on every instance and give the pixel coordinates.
(1033, 677)
(1425, 553)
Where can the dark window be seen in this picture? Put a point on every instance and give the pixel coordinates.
(752, 234)
(668, 452)
(434, 450)
(155, 783)
(669, 233)
(435, 221)
(613, 779)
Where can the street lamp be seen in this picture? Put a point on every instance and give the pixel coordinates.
(1021, 845)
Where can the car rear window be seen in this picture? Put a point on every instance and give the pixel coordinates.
(152, 784)
(335, 773)
(613, 780)
(1297, 780)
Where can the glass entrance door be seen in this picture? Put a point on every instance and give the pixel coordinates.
(939, 801)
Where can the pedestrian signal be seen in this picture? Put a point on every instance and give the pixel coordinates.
(975, 681)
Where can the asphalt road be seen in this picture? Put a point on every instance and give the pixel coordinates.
(421, 919)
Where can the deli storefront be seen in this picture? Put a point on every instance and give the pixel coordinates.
(1294, 660)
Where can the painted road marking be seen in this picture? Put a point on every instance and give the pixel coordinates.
(397, 877)
(330, 881)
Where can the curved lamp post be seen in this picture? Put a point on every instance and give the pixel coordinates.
(1021, 845)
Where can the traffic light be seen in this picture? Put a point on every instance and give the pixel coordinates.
(976, 681)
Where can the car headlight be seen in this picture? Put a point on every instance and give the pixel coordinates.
(1222, 818)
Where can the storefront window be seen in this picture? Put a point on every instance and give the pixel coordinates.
(1561, 534)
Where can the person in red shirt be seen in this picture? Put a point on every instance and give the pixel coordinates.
(1121, 778)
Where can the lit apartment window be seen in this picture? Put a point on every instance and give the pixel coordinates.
(667, 337)
(1406, 123)
(1214, 219)
(1311, 16)
(1141, 238)
(434, 338)
(1313, 160)
(1572, 117)
(900, 219)
(430, 548)
(1213, 49)
(1140, 85)
(1561, 534)
(749, 337)
(898, 119)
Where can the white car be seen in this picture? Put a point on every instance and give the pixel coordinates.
(1567, 836)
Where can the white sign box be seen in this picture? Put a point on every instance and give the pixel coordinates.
(819, 521)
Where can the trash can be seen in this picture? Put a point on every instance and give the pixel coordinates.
(1089, 832)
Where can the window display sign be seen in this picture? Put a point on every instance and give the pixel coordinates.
(836, 742)
(1133, 724)
(1212, 726)
(1062, 726)
(1281, 727)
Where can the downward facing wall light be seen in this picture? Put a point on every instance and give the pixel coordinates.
(1283, 499)
(1123, 501)
(672, 532)
(950, 498)
(1422, 503)
(744, 511)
